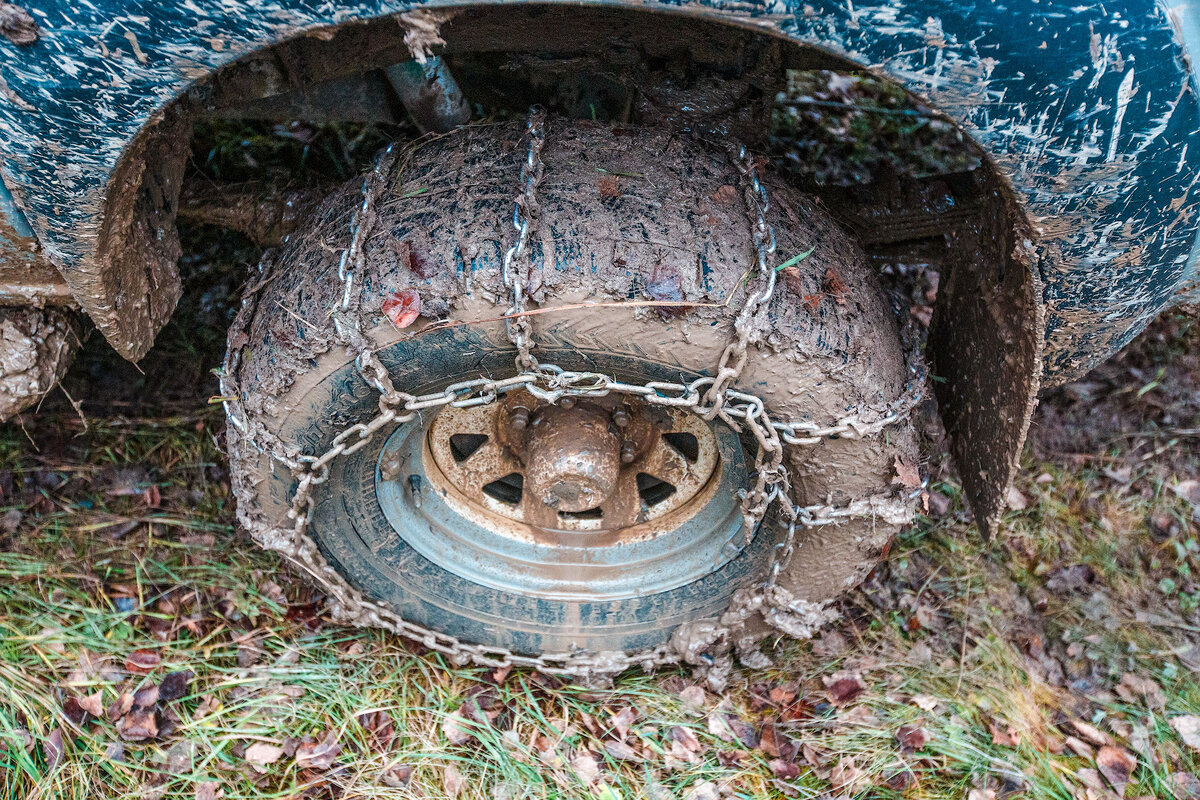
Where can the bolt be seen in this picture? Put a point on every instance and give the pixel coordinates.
(628, 451)
(519, 419)
(621, 417)
(567, 402)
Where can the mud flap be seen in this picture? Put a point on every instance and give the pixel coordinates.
(985, 344)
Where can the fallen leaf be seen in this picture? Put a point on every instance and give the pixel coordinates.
(260, 754)
(138, 725)
(785, 770)
(981, 794)
(621, 751)
(775, 743)
(925, 702)
(844, 686)
(402, 307)
(913, 737)
(53, 749)
(93, 704)
(209, 790)
(609, 187)
(142, 662)
(724, 195)
(622, 721)
(703, 790)
(587, 769)
(1015, 500)
(1188, 728)
(174, 685)
(1080, 748)
(120, 706)
(694, 698)
(318, 755)
(452, 780)
(1005, 737)
(1116, 765)
(846, 776)
(455, 728)
(1188, 490)
(1090, 732)
(397, 777)
(906, 474)
(835, 286)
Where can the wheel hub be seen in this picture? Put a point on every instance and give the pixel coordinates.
(586, 498)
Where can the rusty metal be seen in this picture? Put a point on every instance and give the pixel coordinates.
(570, 462)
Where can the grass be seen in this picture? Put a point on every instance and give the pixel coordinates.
(949, 636)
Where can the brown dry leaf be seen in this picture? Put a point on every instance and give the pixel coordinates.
(397, 777)
(456, 728)
(1116, 765)
(587, 769)
(725, 195)
(93, 704)
(775, 743)
(694, 698)
(1090, 732)
(1132, 686)
(907, 474)
(120, 706)
(703, 790)
(784, 770)
(621, 751)
(844, 686)
(1005, 737)
(452, 780)
(925, 702)
(609, 187)
(142, 661)
(209, 790)
(318, 755)
(174, 685)
(207, 705)
(1080, 747)
(847, 777)
(622, 721)
(53, 749)
(981, 794)
(1188, 728)
(835, 286)
(138, 725)
(913, 737)
(260, 754)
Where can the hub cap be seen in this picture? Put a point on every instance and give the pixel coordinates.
(587, 499)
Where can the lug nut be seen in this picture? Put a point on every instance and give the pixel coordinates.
(519, 419)
(621, 417)
(628, 452)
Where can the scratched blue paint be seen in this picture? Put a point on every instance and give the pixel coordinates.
(1087, 109)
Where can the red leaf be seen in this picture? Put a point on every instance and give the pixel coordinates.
(402, 307)
(143, 661)
(843, 687)
(912, 737)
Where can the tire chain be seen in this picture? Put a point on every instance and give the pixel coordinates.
(709, 397)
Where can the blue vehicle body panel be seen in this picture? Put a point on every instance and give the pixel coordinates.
(1088, 110)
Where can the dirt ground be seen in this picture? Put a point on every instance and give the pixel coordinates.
(148, 649)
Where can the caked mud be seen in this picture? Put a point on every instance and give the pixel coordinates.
(641, 254)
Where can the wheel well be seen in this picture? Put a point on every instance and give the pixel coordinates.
(713, 77)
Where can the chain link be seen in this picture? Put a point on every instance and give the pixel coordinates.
(525, 210)
(709, 397)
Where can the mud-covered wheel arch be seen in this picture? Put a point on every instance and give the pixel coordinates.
(673, 70)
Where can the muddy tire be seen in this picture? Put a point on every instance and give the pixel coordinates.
(625, 215)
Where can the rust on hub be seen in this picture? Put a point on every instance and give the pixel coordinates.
(573, 457)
